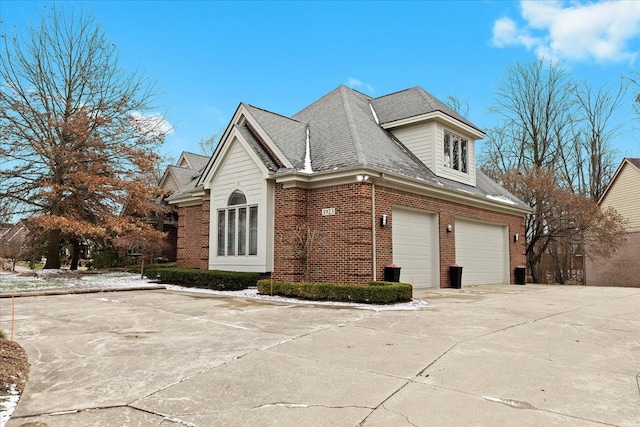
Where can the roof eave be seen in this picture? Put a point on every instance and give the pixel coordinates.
(377, 176)
(436, 115)
(193, 197)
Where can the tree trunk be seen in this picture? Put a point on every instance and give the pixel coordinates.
(142, 265)
(75, 254)
(53, 251)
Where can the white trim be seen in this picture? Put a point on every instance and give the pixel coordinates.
(241, 115)
(234, 137)
(614, 178)
(438, 116)
(399, 182)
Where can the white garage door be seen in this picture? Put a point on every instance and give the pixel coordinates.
(415, 246)
(481, 250)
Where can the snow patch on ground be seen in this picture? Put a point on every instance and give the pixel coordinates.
(62, 279)
(252, 293)
(8, 404)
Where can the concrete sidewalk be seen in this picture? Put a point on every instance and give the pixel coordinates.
(486, 356)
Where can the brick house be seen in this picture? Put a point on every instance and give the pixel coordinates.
(622, 194)
(186, 171)
(347, 186)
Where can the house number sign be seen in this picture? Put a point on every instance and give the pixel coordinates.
(328, 211)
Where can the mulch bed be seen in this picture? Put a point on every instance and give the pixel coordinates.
(14, 366)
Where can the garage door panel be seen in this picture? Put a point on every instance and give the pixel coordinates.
(482, 251)
(413, 246)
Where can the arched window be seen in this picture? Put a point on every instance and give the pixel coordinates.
(237, 198)
(238, 227)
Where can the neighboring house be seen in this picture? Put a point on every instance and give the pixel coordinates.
(622, 194)
(12, 243)
(347, 186)
(187, 169)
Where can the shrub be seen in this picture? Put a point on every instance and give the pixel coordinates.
(151, 270)
(206, 279)
(104, 258)
(373, 293)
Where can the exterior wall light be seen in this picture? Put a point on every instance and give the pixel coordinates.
(362, 178)
(516, 237)
(449, 228)
(383, 221)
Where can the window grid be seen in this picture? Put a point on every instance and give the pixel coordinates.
(238, 227)
(455, 152)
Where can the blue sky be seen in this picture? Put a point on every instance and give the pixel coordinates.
(207, 56)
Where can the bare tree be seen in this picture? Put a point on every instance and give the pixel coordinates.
(533, 101)
(306, 242)
(208, 145)
(460, 106)
(589, 160)
(562, 221)
(75, 143)
(552, 150)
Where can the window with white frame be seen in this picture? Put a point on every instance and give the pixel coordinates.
(238, 227)
(455, 152)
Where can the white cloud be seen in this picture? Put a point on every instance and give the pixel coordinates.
(357, 83)
(151, 124)
(575, 30)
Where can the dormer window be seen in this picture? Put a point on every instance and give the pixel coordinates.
(455, 152)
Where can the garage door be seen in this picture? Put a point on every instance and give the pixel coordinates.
(481, 250)
(415, 246)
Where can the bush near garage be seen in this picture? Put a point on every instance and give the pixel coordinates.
(206, 279)
(372, 293)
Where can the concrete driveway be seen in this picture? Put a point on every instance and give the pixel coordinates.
(486, 356)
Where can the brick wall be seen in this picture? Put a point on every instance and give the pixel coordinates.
(447, 212)
(193, 236)
(290, 215)
(622, 269)
(343, 252)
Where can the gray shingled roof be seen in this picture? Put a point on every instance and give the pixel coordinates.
(197, 161)
(182, 175)
(288, 134)
(251, 139)
(343, 134)
(410, 103)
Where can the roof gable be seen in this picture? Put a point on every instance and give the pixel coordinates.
(623, 193)
(192, 160)
(289, 135)
(633, 162)
(338, 134)
(413, 103)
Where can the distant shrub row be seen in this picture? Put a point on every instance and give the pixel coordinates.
(373, 293)
(206, 279)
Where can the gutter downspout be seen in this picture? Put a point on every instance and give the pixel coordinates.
(373, 227)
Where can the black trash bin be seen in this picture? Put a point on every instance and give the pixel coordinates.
(520, 275)
(392, 273)
(455, 276)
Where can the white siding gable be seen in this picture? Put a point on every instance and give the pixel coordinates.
(170, 184)
(624, 196)
(425, 140)
(237, 169)
(419, 139)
